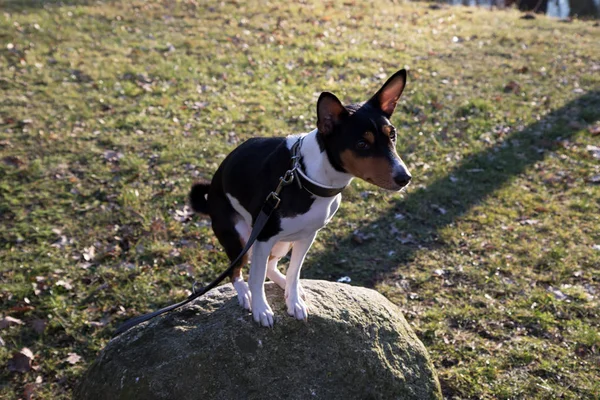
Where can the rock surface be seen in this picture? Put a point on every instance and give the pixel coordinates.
(355, 345)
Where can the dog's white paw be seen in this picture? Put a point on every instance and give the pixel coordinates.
(296, 307)
(262, 313)
(243, 294)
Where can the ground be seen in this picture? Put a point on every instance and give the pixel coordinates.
(111, 110)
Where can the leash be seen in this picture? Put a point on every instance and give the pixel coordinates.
(270, 205)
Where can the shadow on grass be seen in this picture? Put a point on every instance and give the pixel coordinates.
(446, 199)
(25, 5)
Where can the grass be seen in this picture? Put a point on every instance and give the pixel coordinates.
(111, 110)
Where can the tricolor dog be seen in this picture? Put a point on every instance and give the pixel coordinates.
(356, 140)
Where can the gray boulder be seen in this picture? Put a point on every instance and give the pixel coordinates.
(355, 345)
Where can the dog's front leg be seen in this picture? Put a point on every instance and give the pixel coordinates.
(296, 307)
(261, 311)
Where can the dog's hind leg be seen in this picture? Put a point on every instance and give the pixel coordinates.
(234, 244)
(277, 253)
(232, 232)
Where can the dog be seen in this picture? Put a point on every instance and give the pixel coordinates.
(356, 140)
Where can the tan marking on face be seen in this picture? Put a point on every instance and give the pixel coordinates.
(375, 170)
(387, 129)
(369, 137)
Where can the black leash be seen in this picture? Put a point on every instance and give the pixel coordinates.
(270, 205)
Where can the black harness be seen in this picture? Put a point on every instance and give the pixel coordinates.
(270, 205)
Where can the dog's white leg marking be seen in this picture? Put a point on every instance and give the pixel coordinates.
(241, 287)
(278, 251)
(261, 311)
(243, 293)
(274, 274)
(296, 307)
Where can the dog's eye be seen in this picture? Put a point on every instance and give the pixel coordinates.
(362, 145)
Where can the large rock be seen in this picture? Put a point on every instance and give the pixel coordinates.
(355, 345)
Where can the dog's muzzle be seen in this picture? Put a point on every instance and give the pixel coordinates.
(401, 175)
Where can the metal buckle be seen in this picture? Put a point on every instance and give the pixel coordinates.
(274, 196)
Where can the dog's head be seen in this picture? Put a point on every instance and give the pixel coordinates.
(360, 139)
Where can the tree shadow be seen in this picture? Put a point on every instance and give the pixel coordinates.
(438, 205)
(25, 5)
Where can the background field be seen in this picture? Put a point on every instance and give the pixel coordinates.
(111, 110)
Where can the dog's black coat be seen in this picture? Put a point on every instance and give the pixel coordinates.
(257, 164)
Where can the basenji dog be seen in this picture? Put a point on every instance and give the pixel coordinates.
(356, 140)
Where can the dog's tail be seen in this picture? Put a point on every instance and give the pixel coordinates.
(198, 197)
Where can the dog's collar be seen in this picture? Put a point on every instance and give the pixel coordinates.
(304, 182)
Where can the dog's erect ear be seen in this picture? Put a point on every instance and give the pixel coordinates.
(387, 97)
(330, 111)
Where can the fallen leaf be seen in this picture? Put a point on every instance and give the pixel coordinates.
(29, 390)
(21, 361)
(73, 358)
(8, 321)
(112, 156)
(529, 222)
(522, 70)
(405, 239)
(20, 308)
(67, 285)
(594, 179)
(512, 87)
(595, 150)
(183, 215)
(13, 161)
(439, 209)
(557, 293)
(89, 253)
(359, 238)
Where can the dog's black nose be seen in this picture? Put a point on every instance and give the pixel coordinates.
(402, 178)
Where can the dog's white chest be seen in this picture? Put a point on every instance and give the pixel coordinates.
(319, 214)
